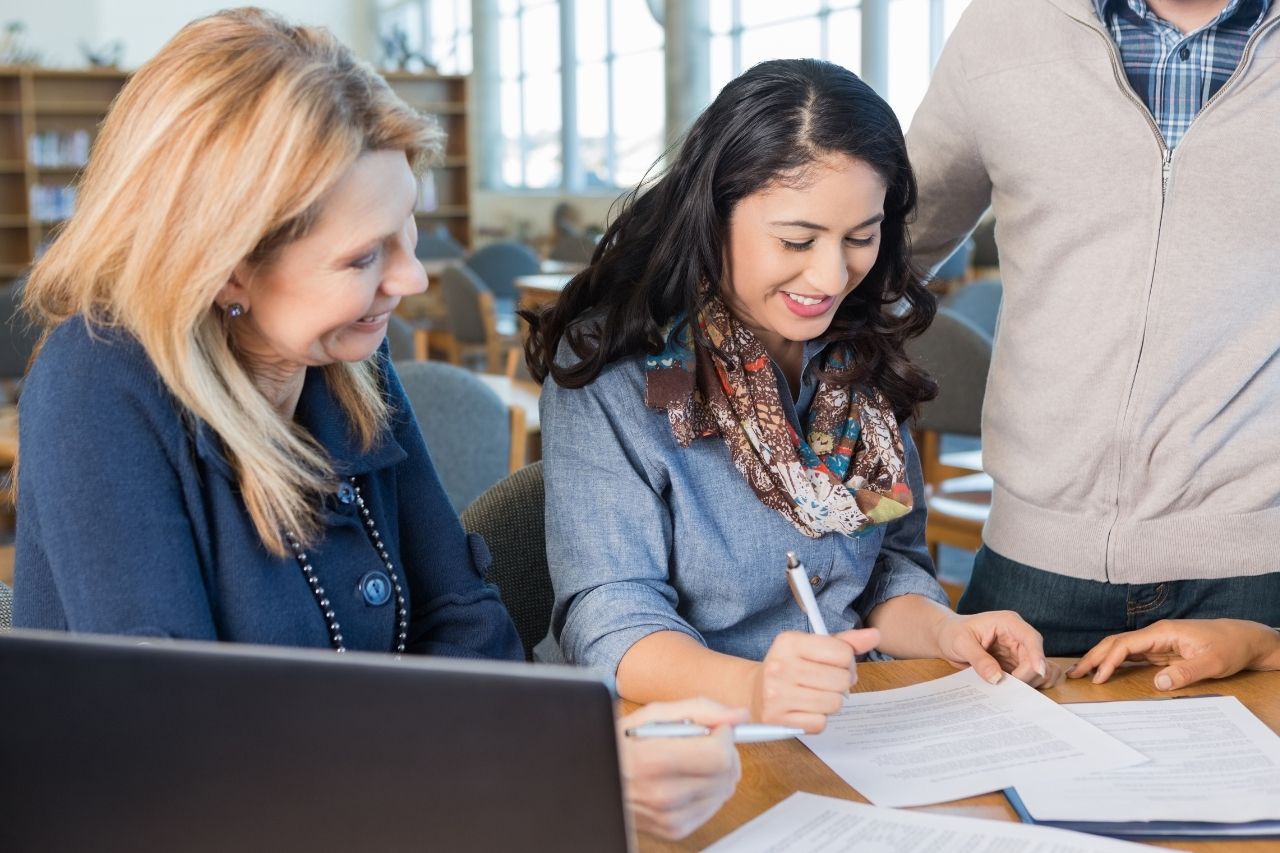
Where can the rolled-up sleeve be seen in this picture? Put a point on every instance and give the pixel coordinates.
(609, 528)
(904, 566)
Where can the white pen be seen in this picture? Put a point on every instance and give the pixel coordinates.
(798, 579)
(742, 733)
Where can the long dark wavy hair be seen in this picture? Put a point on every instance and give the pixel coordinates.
(669, 238)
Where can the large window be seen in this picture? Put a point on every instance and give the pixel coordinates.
(449, 36)
(602, 125)
(614, 93)
(619, 92)
(529, 65)
(744, 32)
(438, 30)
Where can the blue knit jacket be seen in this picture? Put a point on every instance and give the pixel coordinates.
(130, 521)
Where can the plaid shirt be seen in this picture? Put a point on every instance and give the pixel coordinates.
(1176, 75)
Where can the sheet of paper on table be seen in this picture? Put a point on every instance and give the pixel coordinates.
(1211, 761)
(808, 823)
(957, 737)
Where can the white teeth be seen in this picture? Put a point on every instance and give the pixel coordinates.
(804, 300)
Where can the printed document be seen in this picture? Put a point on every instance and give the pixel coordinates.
(1211, 760)
(958, 737)
(808, 823)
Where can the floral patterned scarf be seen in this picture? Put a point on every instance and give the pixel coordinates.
(846, 474)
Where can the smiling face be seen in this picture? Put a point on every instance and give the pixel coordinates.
(327, 297)
(797, 249)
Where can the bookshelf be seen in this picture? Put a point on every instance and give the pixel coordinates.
(48, 120)
(446, 197)
(50, 117)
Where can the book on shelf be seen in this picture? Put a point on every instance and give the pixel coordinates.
(52, 203)
(58, 149)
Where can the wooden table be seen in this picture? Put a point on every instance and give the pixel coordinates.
(523, 395)
(550, 265)
(771, 772)
(541, 289)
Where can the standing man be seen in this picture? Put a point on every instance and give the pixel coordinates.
(1132, 418)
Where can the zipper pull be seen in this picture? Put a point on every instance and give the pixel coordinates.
(1165, 166)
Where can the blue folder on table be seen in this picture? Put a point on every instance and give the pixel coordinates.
(1161, 830)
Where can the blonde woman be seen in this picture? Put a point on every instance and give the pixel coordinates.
(214, 445)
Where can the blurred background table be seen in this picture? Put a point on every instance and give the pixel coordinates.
(541, 289)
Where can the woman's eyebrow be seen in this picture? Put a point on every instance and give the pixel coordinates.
(802, 223)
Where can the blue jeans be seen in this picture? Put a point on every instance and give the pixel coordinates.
(1075, 614)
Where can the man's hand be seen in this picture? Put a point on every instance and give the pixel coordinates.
(1189, 650)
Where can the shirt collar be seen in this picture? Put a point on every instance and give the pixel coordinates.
(1140, 8)
(813, 349)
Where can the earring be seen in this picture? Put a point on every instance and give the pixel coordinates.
(234, 310)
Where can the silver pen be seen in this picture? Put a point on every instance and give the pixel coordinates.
(798, 579)
(742, 733)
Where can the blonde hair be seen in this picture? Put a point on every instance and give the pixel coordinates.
(220, 150)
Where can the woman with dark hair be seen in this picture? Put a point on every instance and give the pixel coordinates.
(728, 382)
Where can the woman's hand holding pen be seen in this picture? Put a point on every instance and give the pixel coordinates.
(805, 677)
(673, 785)
(996, 642)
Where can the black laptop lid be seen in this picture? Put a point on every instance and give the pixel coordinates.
(109, 745)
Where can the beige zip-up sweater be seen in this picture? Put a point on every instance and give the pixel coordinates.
(1132, 416)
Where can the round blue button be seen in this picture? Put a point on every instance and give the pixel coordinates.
(376, 588)
(346, 492)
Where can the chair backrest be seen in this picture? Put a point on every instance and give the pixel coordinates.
(433, 246)
(400, 338)
(465, 297)
(517, 369)
(499, 263)
(6, 604)
(510, 518)
(978, 302)
(956, 266)
(466, 425)
(985, 253)
(958, 355)
(18, 336)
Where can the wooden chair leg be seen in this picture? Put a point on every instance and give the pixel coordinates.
(519, 439)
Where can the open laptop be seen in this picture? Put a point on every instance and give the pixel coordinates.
(106, 744)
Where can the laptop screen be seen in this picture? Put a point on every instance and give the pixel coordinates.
(106, 744)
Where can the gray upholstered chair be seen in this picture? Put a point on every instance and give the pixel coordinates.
(400, 338)
(954, 271)
(475, 439)
(435, 245)
(6, 605)
(986, 256)
(978, 302)
(498, 264)
(472, 320)
(958, 355)
(510, 518)
(18, 339)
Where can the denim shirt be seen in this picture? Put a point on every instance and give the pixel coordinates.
(646, 536)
